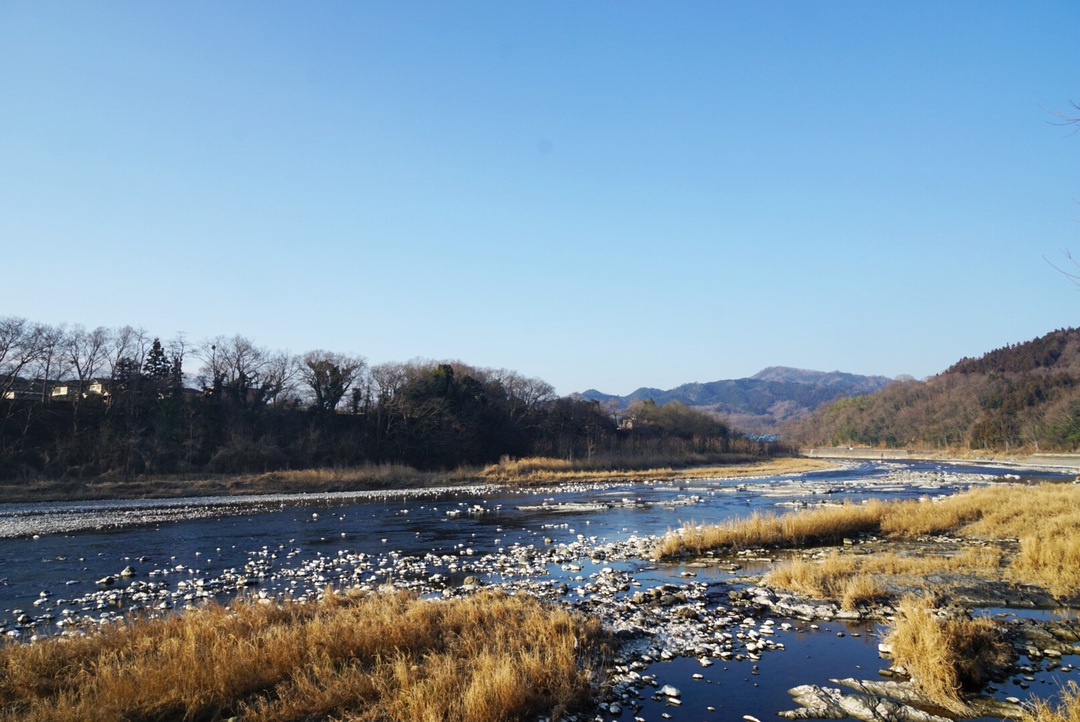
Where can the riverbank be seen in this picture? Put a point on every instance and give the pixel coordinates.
(1033, 460)
(392, 477)
(698, 638)
(922, 565)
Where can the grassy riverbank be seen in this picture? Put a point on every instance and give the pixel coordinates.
(1025, 534)
(391, 476)
(922, 553)
(349, 657)
(545, 471)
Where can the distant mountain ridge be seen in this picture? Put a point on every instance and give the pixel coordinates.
(1024, 395)
(760, 403)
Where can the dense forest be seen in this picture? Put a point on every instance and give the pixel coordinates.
(84, 403)
(1019, 396)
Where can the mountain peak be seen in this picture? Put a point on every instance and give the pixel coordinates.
(787, 374)
(757, 404)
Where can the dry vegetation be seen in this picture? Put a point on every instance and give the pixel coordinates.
(534, 470)
(861, 579)
(542, 470)
(350, 657)
(1067, 709)
(947, 657)
(356, 478)
(797, 529)
(1044, 518)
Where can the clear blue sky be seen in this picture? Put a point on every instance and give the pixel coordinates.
(601, 194)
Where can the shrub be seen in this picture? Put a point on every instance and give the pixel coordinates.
(947, 657)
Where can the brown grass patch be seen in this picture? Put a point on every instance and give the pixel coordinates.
(397, 476)
(1051, 558)
(947, 657)
(1066, 710)
(350, 657)
(1044, 518)
(855, 579)
(539, 470)
(794, 529)
(995, 512)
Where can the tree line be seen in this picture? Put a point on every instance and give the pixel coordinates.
(83, 403)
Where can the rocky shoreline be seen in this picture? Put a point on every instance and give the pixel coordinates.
(713, 612)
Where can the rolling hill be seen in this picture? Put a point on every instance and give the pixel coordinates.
(760, 403)
(1024, 395)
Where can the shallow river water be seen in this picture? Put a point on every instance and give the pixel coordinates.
(62, 564)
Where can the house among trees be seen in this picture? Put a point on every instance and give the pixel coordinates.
(20, 388)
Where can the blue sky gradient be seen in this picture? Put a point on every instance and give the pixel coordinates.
(601, 194)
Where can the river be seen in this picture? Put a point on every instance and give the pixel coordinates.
(62, 564)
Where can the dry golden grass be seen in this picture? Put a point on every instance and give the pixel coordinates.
(946, 658)
(995, 512)
(835, 577)
(538, 470)
(368, 476)
(859, 579)
(1045, 519)
(1051, 558)
(349, 657)
(397, 476)
(794, 529)
(1067, 709)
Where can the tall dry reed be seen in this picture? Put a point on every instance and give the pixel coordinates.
(552, 470)
(947, 658)
(349, 657)
(1067, 708)
(1045, 518)
(859, 579)
(794, 529)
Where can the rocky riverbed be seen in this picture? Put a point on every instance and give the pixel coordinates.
(698, 639)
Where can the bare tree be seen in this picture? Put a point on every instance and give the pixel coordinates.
(279, 378)
(17, 351)
(85, 353)
(1068, 118)
(1073, 273)
(127, 343)
(329, 376)
(524, 394)
(388, 379)
(49, 364)
(249, 373)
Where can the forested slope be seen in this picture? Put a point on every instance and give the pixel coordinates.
(1022, 395)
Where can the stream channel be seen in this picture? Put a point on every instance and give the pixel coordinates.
(63, 564)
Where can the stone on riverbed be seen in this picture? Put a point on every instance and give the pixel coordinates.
(981, 706)
(830, 703)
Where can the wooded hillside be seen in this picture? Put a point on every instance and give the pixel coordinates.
(1022, 395)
